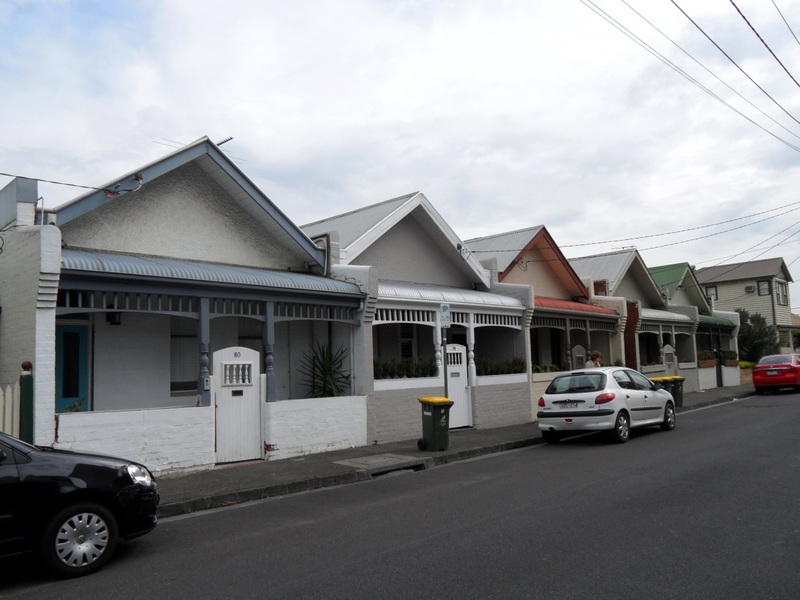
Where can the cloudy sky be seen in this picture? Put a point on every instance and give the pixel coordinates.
(611, 122)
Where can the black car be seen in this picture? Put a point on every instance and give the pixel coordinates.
(71, 508)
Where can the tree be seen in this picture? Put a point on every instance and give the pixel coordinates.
(756, 337)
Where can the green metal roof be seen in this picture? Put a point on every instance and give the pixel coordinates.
(718, 321)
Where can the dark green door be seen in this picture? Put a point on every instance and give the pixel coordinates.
(72, 368)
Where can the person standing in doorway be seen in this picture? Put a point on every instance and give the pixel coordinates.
(594, 360)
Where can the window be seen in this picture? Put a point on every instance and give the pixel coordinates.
(763, 288)
(407, 338)
(640, 381)
(780, 293)
(711, 292)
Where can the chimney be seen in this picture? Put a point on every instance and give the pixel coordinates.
(18, 202)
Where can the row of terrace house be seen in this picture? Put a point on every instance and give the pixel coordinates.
(176, 315)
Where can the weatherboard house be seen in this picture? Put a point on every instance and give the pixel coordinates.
(759, 287)
(169, 315)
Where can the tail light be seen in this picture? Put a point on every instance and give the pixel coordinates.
(541, 402)
(603, 398)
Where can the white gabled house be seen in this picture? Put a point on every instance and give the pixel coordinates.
(167, 316)
(659, 338)
(568, 321)
(420, 265)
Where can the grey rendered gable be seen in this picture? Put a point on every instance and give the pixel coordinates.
(193, 204)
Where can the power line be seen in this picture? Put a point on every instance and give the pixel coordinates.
(710, 72)
(600, 12)
(789, 27)
(764, 43)
(726, 55)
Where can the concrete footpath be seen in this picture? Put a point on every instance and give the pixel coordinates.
(244, 482)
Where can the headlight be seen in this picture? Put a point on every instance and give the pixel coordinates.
(140, 475)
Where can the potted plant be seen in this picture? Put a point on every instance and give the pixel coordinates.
(706, 358)
(731, 358)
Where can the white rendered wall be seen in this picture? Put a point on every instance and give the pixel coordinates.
(707, 378)
(299, 427)
(131, 363)
(30, 264)
(164, 440)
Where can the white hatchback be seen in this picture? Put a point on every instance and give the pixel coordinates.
(606, 398)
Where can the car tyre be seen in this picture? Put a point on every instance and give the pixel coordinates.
(622, 428)
(669, 418)
(551, 437)
(79, 540)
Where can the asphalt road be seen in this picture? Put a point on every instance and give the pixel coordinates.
(710, 510)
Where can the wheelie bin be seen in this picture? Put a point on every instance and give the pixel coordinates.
(435, 423)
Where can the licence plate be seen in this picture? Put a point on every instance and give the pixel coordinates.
(568, 405)
(772, 372)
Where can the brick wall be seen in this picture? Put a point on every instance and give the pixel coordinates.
(30, 264)
(397, 414)
(165, 440)
(501, 405)
(311, 425)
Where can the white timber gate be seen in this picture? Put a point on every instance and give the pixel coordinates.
(458, 386)
(237, 400)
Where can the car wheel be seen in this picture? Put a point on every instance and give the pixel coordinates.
(551, 437)
(669, 418)
(79, 540)
(622, 428)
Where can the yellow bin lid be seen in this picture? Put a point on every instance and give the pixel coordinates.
(434, 399)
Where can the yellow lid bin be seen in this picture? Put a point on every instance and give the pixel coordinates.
(435, 423)
(435, 400)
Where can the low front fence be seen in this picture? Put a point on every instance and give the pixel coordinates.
(10, 409)
(166, 440)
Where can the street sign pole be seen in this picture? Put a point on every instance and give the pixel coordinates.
(444, 321)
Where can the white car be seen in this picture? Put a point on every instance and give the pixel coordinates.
(606, 398)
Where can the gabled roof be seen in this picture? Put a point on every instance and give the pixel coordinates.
(613, 267)
(754, 269)
(681, 275)
(511, 247)
(224, 172)
(359, 229)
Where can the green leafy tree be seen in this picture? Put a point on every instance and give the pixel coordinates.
(756, 337)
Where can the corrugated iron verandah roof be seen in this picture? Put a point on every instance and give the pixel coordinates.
(170, 286)
(186, 271)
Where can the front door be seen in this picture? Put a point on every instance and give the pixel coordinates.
(237, 399)
(72, 368)
(458, 386)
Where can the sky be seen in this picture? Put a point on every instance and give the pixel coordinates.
(669, 126)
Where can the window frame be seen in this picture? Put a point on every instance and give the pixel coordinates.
(764, 289)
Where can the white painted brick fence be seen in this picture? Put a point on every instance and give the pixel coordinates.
(9, 409)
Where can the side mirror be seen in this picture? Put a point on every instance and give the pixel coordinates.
(657, 386)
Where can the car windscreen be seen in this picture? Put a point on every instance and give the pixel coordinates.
(778, 359)
(577, 382)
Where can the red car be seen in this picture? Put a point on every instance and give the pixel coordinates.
(777, 371)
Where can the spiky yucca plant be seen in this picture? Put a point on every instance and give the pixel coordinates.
(324, 371)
